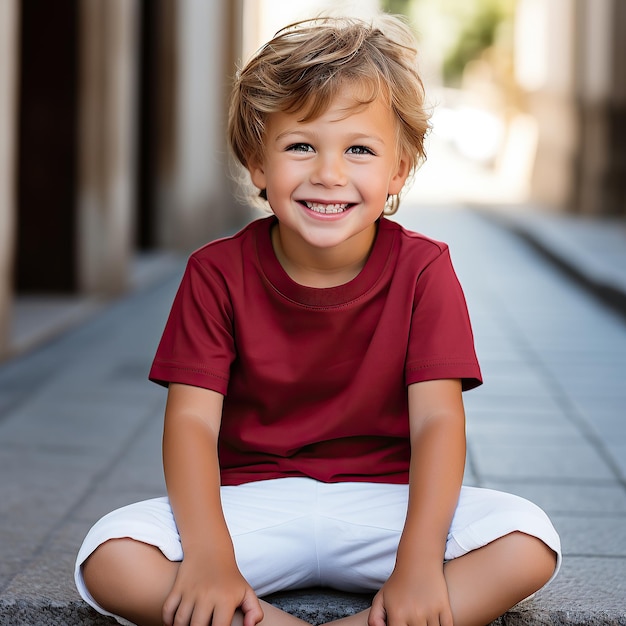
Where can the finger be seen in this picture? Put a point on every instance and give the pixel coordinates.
(183, 614)
(222, 616)
(446, 618)
(251, 608)
(170, 606)
(199, 616)
(377, 615)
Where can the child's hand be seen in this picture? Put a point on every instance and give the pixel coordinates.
(210, 592)
(416, 599)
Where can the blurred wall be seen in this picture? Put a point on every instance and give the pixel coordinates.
(571, 66)
(106, 142)
(194, 192)
(112, 139)
(600, 180)
(545, 40)
(8, 99)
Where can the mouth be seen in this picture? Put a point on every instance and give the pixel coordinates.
(319, 207)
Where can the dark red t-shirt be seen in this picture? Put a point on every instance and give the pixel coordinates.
(315, 379)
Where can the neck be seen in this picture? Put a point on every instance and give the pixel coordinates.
(323, 268)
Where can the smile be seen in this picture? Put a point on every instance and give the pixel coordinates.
(317, 207)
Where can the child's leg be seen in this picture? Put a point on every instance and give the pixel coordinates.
(486, 582)
(500, 548)
(130, 557)
(132, 579)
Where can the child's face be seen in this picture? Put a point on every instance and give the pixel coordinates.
(327, 179)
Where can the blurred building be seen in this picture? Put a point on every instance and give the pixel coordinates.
(571, 67)
(112, 119)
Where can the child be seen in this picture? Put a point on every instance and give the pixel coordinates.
(314, 430)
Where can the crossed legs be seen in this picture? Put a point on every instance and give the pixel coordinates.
(132, 579)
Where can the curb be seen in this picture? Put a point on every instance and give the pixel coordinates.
(315, 607)
(548, 235)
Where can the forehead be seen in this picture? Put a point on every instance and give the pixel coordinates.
(351, 103)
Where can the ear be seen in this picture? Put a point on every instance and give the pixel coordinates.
(257, 175)
(400, 175)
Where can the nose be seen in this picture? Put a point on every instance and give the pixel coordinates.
(330, 170)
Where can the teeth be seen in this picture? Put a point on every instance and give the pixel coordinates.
(326, 208)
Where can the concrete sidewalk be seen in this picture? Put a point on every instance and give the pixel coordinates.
(80, 430)
(590, 250)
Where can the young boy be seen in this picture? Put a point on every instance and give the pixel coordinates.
(314, 430)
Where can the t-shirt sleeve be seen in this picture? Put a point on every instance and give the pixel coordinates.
(441, 342)
(197, 346)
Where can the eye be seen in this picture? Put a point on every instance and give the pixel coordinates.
(300, 147)
(359, 150)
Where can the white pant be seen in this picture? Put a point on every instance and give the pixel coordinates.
(292, 533)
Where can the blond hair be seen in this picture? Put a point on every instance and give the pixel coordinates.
(306, 64)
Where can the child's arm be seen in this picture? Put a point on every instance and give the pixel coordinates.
(208, 583)
(416, 592)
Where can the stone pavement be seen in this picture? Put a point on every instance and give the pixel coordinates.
(589, 250)
(80, 427)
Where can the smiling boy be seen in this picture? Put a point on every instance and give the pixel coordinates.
(315, 361)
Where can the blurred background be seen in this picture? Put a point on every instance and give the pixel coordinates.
(113, 112)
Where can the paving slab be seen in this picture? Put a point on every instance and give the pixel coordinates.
(590, 248)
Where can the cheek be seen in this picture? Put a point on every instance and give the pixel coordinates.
(281, 182)
(285, 175)
(373, 183)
